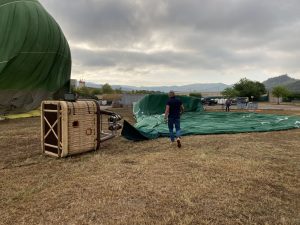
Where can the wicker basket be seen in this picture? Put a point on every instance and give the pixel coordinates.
(70, 127)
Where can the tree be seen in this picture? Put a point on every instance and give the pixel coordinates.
(107, 89)
(144, 92)
(83, 91)
(230, 93)
(280, 91)
(196, 94)
(248, 88)
(96, 91)
(119, 91)
(294, 96)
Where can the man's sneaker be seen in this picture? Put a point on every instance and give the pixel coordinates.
(178, 143)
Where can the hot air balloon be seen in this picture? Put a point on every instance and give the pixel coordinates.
(35, 58)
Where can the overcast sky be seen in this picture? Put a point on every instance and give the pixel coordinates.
(175, 42)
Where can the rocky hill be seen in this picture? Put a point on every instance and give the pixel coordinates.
(283, 80)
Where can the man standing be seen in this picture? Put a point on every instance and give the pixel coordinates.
(174, 108)
(228, 104)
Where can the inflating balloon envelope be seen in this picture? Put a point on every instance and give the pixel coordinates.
(35, 59)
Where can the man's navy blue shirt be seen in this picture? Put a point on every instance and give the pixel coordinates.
(175, 105)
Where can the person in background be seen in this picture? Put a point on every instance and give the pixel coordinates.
(174, 108)
(228, 104)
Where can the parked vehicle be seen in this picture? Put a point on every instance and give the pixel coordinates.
(242, 100)
(209, 101)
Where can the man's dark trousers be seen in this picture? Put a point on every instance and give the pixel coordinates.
(171, 123)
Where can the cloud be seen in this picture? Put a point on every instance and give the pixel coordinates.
(180, 41)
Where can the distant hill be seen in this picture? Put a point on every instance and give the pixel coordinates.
(283, 80)
(291, 83)
(93, 85)
(205, 87)
(294, 87)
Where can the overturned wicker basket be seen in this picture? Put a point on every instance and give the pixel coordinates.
(71, 127)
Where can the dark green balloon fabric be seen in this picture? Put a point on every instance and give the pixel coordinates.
(150, 120)
(35, 59)
(156, 104)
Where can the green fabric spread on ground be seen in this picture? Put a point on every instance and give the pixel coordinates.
(150, 120)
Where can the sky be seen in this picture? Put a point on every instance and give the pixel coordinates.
(178, 42)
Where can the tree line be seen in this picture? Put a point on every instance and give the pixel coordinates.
(244, 88)
(253, 90)
(91, 92)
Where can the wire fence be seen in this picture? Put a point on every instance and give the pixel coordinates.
(248, 106)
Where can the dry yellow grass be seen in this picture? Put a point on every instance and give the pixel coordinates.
(214, 179)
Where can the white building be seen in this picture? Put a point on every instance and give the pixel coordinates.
(81, 84)
(129, 99)
(73, 83)
(273, 99)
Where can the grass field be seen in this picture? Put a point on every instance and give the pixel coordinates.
(215, 179)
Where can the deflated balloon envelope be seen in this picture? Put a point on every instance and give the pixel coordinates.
(35, 59)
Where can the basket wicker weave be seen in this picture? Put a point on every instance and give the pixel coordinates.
(70, 127)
